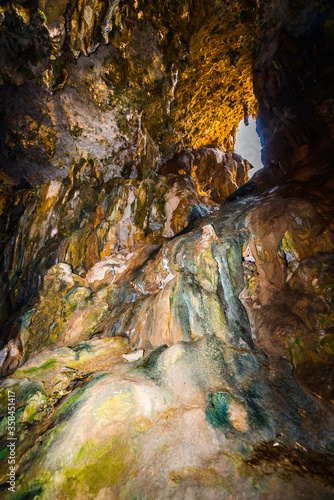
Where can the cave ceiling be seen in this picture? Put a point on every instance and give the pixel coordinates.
(131, 81)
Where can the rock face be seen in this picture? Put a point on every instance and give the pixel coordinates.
(220, 312)
(167, 323)
(296, 112)
(80, 220)
(216, 174)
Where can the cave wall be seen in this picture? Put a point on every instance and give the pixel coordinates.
(294, 89)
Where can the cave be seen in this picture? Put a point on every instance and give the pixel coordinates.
(166, 317)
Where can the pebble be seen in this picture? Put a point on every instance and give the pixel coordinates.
(133, 356)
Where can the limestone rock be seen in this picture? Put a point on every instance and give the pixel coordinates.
(215, 173)
(134, 356)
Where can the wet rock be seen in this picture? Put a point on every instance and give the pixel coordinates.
(108, 270)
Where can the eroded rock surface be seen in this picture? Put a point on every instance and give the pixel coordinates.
(227, 313)
(157, 79)
(99, 227)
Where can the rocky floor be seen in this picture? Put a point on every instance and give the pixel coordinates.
(232, 313)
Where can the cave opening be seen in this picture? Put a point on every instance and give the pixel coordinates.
(248, 145)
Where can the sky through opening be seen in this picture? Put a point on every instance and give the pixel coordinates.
(248, 145)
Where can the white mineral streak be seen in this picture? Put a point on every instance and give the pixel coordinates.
(170, 275)
(171, 206)
(53, 189)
